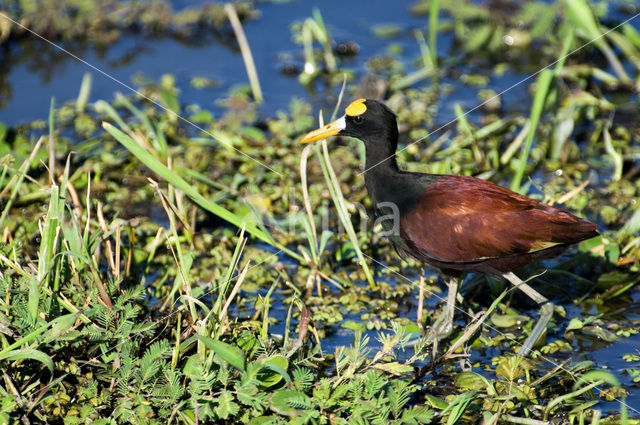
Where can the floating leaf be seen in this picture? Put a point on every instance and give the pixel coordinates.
(466, 381)
(394, 368)
(353, 325)
(575, 324)
(386, 30)
(507, 320)
(600, 332)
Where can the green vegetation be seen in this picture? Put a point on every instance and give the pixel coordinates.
(104, 22)
(154, 272)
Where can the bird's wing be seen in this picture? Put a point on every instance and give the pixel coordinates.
(461, 219)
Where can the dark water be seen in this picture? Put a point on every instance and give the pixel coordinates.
(35, 81)
(36, 71)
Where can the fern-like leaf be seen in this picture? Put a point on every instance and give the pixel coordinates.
(373, 383)
(302, 378)
(226, 406)
(300, 402)
(150, 363)
(417, 415)
(398, 396)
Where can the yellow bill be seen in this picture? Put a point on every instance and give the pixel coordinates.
(330, 129)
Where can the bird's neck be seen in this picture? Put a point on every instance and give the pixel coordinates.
(381, 153)
(381, 169)
(383, 165)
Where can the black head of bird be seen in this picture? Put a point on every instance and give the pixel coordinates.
(370, 121)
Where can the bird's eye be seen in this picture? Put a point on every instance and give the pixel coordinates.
(358, 119)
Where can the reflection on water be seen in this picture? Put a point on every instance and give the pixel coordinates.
(32, 71)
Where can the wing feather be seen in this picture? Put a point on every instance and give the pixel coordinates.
(462, 219)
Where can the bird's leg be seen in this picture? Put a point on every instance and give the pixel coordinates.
(444, 324)
(420, 301)
(546, 312)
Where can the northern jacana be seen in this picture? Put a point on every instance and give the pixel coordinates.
(455, 223)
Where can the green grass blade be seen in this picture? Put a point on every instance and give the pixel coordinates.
(434, 10)
(463, 123)
(341, 207)
(616, 158)
(223, 285)
(322, 35)
(542, 89)
(579, 14)
(566, 45)
(144, 120)
(266, 301)
(18, 181)
(631, 34)
(310, 226)
(597, 375)
(52, 140)
(59, 324)
(227, 352)
(48, 238)
(557, 143)
(425, 51)
(83, 94)
(582, 18)
(544, 84)
(245, 50)
(105, 108)
(458, 406)
(568, 396)
(29, 353)
(178, 182)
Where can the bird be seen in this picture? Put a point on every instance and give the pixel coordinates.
(456, 224)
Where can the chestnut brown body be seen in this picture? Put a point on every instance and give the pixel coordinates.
(466, 224)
